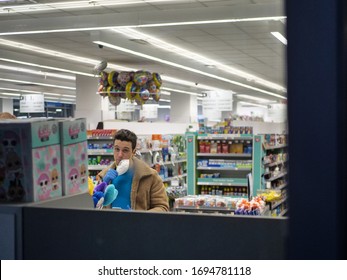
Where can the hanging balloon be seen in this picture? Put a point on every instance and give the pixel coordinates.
(112, 78)
(149, 75)
(130, 90)
(152, 88)
(114, 100)
(140, 78)
(123, 78)
(131, 74)
(157, 79)
(100, 67)
(144, 94)
(138, 99)
(103, 79)
(156, 96)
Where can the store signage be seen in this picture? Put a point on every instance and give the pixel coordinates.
(215, 103)
(149, 111)
(126, 106)
(32, 103)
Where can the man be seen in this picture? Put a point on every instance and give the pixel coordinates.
(140, 187)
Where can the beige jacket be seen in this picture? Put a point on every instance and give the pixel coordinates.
(147, 189)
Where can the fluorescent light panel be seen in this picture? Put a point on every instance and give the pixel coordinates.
(135, 34)
(34, 72)
(29, 8)
(280, 37)
(162, 24)
(173, 64)
(40, 84)
(46, 67)
(252, 98)
(253, 104)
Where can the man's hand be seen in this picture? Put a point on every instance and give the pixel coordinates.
(110, 175)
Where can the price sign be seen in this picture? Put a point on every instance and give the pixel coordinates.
(32, 103)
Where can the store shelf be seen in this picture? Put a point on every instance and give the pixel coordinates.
(198, 209)
(239, 182)
(277, 203)
(97, 167)
(174, 177)
(224, 168)
(283, 212)
(225, 137)
(100, 152)
(281, 187)
(275, 163)
(282, 174)
(99, 137)
(267, 147)
(226, 155)
(172, 162)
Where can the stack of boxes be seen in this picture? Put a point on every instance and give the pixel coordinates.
(74, 155)
(42, 159)
(30, 161)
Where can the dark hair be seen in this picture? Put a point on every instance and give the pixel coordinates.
(126, 135)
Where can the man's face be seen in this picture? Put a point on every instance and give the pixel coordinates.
(122, 150)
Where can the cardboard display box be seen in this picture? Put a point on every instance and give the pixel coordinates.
(30, 166)
(74, 155)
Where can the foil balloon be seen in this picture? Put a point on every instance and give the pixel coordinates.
(138, 99)
(157, 79)
(130, 90)
(100, 67)
(123, 78)
(112, 78)
(103, 79)
(144, 94)
(114, 100)
(140, 78)
(156, 96)
(152, 87)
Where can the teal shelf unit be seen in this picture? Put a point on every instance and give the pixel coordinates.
(264, 176)
(231, 176)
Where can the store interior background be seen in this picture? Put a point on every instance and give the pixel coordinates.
(248, 46)
(215, 45)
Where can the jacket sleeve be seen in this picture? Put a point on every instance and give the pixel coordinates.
(158, 197)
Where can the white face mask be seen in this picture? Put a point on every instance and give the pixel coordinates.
(123, 166)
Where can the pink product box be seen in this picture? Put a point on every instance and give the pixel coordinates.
(30, 168)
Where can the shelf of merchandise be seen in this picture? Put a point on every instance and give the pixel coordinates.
(177, 177)
(230, 176)
(265, 169)
(145, 154)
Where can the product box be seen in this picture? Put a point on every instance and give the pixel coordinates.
(74, 159)
(30, 169)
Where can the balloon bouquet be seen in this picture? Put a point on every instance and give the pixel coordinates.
(136, 86)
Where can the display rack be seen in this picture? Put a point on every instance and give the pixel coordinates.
(271, 174)
(171, 168)
(223, 171)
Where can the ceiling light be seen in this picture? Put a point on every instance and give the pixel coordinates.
(253, 104)
(280, 37)
(275, 18)
(184, 67)
(158, 43)
(30, 71)
(40, 84)
(11, 94)
(72, 5)
(182, 91)
(46, 67)
(253, 98)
